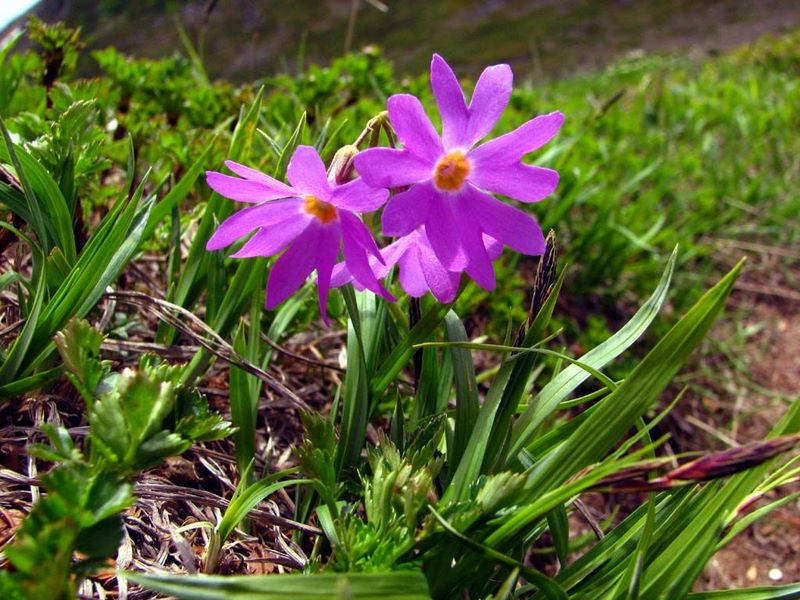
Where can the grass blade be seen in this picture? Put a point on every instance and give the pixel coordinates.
(467, 406)
(395, 585)
(570, 378)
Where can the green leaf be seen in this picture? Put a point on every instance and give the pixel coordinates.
(288, 150)
(195, 269)
(126, 423)
(401, 353)
(355, 407)
(394, 585)
(45, 201)
(629, 583)
(247, 280)
(547, 586)
(613, 416)
(79, 347)
(685, 552)
(101, 540)
(467, 406)
(178, 193)
(107, 253)
(780, 592)
(558, 524)
(548, 399)
(15, 357)
(250, 497)
(34, 209)
(488, 436)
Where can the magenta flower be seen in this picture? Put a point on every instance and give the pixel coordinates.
(419, 268)
(310, 219)
(450, 177)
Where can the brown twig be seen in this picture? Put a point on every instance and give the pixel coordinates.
(184, 321)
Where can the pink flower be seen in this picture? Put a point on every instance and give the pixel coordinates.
(419, 269)
(450, 176)
(311, 219)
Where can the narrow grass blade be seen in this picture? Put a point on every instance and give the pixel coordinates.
(675, 569)
(286, 153)
(249, 498)
(402, 352)
(549, 588)
(488, 436)
(194, 274)
(16, 354)
(467, 406)
(570, 378)
(558, 523)
(618, 411)
(34, 210)
(178, 193)
(244, 406)
(629, 584)
(107, 253)
(394, 585)
(355, 407)
(780, 592)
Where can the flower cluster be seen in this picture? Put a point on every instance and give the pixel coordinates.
(442, 211)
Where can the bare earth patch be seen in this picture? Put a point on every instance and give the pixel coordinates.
(768, 552)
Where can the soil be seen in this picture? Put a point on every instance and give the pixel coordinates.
(768, 552)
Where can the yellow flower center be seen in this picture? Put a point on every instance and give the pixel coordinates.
(451, 171)
(324, 211)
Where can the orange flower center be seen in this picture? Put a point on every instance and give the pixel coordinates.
(324, 211)
(451, 171)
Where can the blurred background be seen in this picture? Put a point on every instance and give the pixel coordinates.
(244, 40)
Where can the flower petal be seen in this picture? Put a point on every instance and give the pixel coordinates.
(272, 239)
(306, 172)
(522, 182)
(411, 277)
(480, 265)
(244, 221)
(360, 234)
(246, 190)
(340, 275)
(327, 253)
(489, 100)
(444, 233)
(391, 254)
(493, 248)
(293, 267)
(254, 175)
(450, 100)
(355, 257)
(511, 147)
(389, 167)
(442, 283)
(413, 127)
(408, 210)
(507, 224)
(357, 196)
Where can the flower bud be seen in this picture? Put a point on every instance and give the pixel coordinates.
(341, 168)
